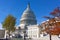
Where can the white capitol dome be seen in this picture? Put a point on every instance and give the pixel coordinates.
(28, 17)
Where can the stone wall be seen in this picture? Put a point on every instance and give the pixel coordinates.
(2, 33)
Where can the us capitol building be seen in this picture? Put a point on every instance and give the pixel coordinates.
(28, 23)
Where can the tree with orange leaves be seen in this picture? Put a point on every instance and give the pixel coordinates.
(56, 12)
(54, 26)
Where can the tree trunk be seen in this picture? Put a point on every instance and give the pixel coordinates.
(9, 34)
(50, 37)
(24, 37)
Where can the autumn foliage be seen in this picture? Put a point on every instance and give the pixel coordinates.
(55, 30)
(55, 25)
(56, 12)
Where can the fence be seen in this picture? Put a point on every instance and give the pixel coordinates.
(16, 39)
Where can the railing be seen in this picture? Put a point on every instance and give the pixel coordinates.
(3, 39)
(16, 39)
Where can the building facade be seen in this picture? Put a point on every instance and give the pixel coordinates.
(27, 18)
(33, 31)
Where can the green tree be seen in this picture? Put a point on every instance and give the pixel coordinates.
(9, 24)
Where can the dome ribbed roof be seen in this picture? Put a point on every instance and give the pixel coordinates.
(28, 15)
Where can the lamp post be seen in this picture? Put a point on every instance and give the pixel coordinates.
(19, 29)
(24, 35)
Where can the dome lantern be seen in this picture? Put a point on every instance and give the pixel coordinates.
(28, 16)
(28, 6)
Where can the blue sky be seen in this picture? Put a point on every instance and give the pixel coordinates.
(16, 7)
